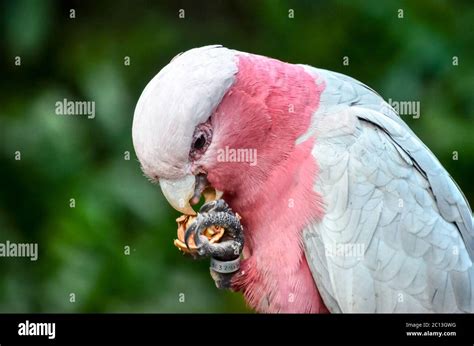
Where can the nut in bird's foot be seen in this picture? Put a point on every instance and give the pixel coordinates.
(212, 233)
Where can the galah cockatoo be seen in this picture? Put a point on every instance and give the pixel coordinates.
(343, 208)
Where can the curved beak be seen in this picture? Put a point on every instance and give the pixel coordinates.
(187, 191)
(179, 192)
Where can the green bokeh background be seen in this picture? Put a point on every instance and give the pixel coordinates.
(81, 249)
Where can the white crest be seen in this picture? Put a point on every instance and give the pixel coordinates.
(181, 96)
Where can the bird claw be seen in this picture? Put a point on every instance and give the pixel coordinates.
(216, 213)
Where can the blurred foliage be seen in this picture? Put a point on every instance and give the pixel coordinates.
(81, 249)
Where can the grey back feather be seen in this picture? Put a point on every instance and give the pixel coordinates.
(384, 189)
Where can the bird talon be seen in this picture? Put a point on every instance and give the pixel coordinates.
(216, 213)
(218, 205)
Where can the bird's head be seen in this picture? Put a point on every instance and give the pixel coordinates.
(220, 117)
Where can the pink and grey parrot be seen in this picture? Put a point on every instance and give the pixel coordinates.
(343, 208)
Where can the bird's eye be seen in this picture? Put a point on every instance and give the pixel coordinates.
(199, 142)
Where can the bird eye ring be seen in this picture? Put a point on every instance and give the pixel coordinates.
(201, 140)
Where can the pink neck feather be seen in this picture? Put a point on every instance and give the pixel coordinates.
(267, 109)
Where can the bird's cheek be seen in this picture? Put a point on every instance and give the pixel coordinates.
(219, 173)
(204, 164)
(218, 181)
(197, 168)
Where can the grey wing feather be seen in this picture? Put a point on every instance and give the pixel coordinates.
(384, 190)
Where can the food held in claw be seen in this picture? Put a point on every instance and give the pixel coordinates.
(213, 234)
